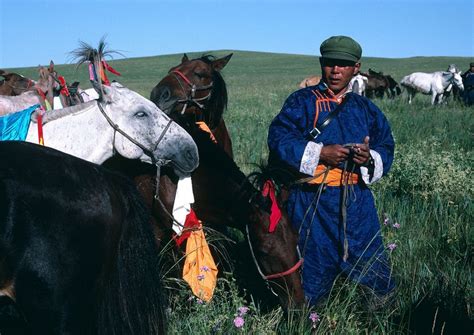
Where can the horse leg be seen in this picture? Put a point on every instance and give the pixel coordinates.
(411, 94)
(433, 97)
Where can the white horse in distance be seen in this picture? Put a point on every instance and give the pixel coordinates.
(435, 83)
(358, 84)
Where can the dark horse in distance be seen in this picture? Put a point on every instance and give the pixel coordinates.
(77, 252)
(194, 91)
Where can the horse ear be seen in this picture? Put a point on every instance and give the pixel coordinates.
(184, 59)
(219, 64)
(51, 66)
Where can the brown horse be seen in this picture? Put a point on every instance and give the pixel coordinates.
(14, 84)
(224, 197)
(379, 84)
(310, 81)
(195, 91)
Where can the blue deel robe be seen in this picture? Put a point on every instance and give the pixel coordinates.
(288, 141)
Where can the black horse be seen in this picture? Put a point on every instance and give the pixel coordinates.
(77, 254)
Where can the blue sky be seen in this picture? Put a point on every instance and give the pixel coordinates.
(34, 31)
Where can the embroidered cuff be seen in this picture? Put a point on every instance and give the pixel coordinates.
(378, 169)
(310, 158)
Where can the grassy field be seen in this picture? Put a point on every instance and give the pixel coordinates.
(428, 193)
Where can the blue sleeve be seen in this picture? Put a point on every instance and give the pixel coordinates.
(381, 139)
(286, 134)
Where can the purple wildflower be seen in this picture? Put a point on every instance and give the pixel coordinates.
(205, 268)
(199, 301)
(396, 225)
(314, 317)
(200, 277)
(243, 310)
(239, 322)
(392, 246)
(386, 220)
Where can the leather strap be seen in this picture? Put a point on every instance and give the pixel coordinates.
(314, 133)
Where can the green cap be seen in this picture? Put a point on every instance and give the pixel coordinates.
(471, 64)
(341, 47)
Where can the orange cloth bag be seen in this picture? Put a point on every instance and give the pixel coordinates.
(200, 270)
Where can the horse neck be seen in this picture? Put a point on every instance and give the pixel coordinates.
(71, 135)
(223, 185)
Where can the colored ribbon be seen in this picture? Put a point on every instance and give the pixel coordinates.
(275, 213)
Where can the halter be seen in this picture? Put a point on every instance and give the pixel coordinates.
(282, 274)
(146, 151)
(190, 96)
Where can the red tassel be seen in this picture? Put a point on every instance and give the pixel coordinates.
(275, 216)
(191, 222)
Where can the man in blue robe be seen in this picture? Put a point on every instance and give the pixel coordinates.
(331, 205)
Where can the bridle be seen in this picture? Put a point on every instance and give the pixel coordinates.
(146, 151)
(282, 274)
(190, 95)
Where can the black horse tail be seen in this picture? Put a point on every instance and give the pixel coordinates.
(130, 294)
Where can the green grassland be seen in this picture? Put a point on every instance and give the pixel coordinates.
(428, 193)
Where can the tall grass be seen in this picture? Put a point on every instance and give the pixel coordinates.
(428, 194)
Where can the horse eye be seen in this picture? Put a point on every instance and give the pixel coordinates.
(141, 114)
(199, 75)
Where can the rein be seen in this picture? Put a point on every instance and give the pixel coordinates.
(190, 98)
(147, 152)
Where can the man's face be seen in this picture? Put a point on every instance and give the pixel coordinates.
(338, 73)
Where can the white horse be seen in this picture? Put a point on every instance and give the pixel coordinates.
(434, 83)
(358, 84)
(120, 121)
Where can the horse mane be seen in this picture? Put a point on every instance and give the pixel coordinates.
(218, 101)
(249, 185)
(59, 113)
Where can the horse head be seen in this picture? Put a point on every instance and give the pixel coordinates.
(194, 90)
(457, 80)
(14, 84)
(48, 84)
(142, 131)
(274, 245)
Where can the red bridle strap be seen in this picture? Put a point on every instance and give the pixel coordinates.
(287, 272)
(179, 73)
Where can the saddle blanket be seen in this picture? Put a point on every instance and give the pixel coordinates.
(14, 126)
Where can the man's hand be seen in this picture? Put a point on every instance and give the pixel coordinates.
(334, 154)
(362, 152)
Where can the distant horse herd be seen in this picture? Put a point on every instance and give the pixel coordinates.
(79, 241)
(440, 85)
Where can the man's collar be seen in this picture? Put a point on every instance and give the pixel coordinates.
(339, 97)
